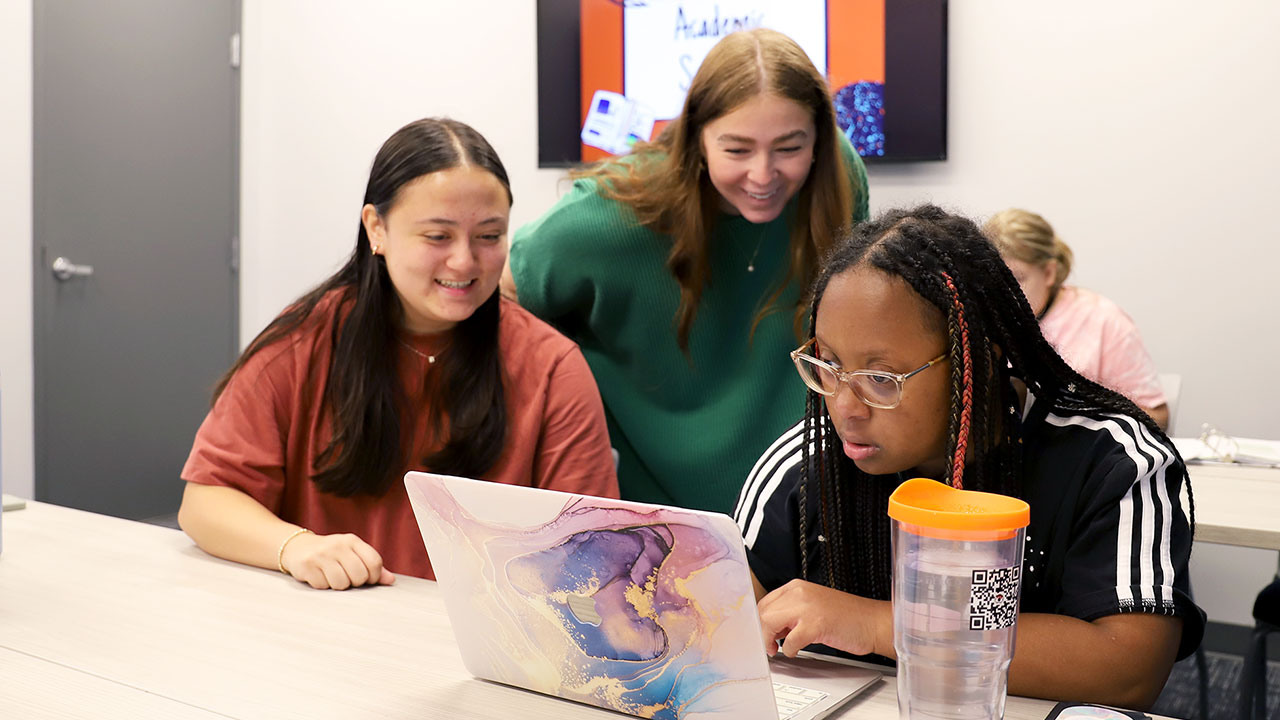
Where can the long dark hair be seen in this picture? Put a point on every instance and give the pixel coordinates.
(992, 337)
(363, 394)
(670, 192)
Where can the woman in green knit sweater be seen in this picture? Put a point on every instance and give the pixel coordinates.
(679, 269)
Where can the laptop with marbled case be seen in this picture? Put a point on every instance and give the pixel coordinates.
(643, 609)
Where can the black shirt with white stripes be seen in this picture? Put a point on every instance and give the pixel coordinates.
(1108, 533)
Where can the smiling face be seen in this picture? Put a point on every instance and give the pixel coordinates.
(444, 240)
(759, 155)
(869, 320)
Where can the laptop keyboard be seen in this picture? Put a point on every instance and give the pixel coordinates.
(792, 699)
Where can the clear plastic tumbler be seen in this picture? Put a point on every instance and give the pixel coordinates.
(957, 571)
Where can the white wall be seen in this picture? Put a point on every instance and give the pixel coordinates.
(16, 423)
(325, 83)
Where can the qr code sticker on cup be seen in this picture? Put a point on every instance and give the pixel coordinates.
(993, 598)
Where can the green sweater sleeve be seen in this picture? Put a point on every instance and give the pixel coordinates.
(558, 238)
(571, 265)
(561, 261)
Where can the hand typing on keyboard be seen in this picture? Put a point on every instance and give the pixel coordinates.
(802, 613)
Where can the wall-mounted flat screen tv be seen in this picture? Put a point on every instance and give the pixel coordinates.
(613, 72)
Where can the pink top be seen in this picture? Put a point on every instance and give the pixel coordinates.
(1101, 342)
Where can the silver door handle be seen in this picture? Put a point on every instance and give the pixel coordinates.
(64, 269)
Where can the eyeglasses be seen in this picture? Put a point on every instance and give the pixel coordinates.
(876, 388)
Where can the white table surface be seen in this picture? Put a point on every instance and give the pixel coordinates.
(34, 688)
(108, 618)
(1237, 505)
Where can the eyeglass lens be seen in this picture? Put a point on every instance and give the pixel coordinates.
(874, 389)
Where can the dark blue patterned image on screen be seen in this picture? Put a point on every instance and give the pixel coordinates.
(860, 114)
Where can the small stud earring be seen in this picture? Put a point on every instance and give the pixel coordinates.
(376, 249)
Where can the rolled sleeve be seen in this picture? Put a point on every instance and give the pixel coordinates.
(241, 443)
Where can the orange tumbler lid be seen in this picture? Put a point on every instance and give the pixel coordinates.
(931, 504)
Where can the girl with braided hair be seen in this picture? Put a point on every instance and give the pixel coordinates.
(925, 360)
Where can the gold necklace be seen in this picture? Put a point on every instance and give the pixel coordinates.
(431, 359)
(751, 264)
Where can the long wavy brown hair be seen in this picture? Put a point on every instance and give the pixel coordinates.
(668, 188)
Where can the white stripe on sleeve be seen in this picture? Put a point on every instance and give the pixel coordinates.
(751, 487)
(770, 487)
(1136, 445)
(1168, 508)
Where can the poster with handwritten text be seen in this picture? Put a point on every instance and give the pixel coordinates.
(647, 51)
(664, 41)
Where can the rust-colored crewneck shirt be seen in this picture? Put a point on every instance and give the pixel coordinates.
(264, 433)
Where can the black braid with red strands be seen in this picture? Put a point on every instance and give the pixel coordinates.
(955, 319)
(993, 338)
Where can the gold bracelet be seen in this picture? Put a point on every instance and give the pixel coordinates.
(280, 555)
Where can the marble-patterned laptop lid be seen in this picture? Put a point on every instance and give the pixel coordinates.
(639, 608)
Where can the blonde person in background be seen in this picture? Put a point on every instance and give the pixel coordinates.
(1092, 333)
(679, 269)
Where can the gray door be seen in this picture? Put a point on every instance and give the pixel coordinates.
(135, 162)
